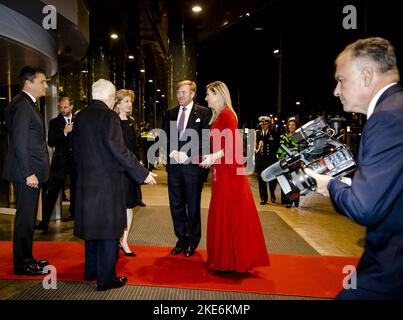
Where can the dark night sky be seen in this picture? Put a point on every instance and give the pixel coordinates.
(312, 36)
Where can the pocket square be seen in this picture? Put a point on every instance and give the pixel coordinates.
(197, 120)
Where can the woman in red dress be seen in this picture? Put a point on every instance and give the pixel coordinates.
(235, 241)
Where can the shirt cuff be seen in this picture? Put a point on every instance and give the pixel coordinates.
(347, 180)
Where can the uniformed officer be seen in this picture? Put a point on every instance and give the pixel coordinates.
(265, 154)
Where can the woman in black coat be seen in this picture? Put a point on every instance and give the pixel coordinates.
(123, 107)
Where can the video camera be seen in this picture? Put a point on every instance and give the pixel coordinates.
(321, 152)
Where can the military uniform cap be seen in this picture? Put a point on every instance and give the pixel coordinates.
(264, 119)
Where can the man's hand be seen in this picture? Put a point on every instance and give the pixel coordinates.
(150, 178)
(32, 181)
(180, 157)
(68, 128)
(321, 181)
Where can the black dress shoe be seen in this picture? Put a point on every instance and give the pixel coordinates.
(41, 262)
(141, 203)
(177, 250)
(273, 199)
(117, 283)
(31, 269)
(263, 202)
(189, 252)
(288, 205)
(129, 254)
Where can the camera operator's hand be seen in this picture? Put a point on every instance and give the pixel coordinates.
(321, 181)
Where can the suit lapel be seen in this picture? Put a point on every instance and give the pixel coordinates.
(37, 113)
(62, 121)
(175, 113)
(192, 117)
(174, 117)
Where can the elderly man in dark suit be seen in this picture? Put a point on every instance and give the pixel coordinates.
(367, 76)
(101, 158)
(62, 165)
(26, 165)
(184, 125)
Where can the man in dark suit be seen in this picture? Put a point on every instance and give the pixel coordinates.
(101, 159)
(183, 126)
(26, 165)
(367, 76)
(265, 155)
(60, 137)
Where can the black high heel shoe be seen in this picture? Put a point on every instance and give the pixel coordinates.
(129, 254)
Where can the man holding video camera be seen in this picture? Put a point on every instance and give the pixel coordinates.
(367, 76)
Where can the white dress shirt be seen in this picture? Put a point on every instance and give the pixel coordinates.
(30, 95)
(187, 114)
(68, 120)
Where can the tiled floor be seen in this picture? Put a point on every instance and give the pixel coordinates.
(316, 221)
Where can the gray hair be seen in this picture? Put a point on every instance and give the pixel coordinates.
(379, 50)
(103, 90)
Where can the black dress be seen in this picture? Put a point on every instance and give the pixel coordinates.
(133, 192)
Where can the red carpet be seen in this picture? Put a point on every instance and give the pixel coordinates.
(295, 275)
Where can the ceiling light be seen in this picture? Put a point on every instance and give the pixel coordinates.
(131, 57)
(114, 36)
(196, 9)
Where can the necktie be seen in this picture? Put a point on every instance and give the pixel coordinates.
(181, 122)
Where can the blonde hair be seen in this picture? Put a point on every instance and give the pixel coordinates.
(120, 95)
(220, 89)
(189, 83)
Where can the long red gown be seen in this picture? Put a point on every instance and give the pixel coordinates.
(235, 240)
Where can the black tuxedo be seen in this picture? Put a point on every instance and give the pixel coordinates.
(266, 145)
(62, 165)
(185, 181)
(27, 155)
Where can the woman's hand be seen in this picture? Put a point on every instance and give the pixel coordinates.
(207, 162)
